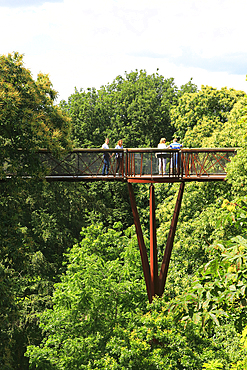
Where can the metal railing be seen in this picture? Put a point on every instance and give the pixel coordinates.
(83, 164)
(205, 162)
(153, 162)
(137, 164)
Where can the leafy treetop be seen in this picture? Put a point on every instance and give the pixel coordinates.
(29, 120)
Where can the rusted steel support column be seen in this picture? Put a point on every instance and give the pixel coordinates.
(143, 251)
(169, 243)
(153, 245)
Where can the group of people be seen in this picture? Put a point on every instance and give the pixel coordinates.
(161, 156)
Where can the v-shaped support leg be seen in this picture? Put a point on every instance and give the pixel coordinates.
(155, 284)
(141, 243)
(169, 243)
(153, 245)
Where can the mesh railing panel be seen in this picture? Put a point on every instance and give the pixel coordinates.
(78, 164)
(205, 163)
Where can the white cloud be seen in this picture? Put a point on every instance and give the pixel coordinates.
(88, 43)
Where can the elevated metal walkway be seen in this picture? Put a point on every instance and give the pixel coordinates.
(139, 165)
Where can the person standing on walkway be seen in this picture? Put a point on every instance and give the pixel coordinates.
(162, 156)
(119, 157)
(174, 159)
(106, 158)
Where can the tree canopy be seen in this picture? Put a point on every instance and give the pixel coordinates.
(134, 108)
(197, 115)
(72, 289)
(29, 120)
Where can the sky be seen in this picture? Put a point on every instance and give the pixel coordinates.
(88, 43)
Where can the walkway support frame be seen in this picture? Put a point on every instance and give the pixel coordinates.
(138, 165)
(170, 240)
(141, 243)
(155, 283)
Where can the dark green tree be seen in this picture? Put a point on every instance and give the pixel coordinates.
(135, 108)
(96, 299)
(29, 120)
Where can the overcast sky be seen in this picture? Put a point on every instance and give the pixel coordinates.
(87, 43)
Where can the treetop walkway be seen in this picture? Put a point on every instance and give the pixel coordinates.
(141, 165)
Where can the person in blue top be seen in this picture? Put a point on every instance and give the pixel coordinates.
(174, 159)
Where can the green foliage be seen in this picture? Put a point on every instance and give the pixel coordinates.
(28, 118)
(233, 132)
(198, 114)
(8, 314)
(39, 222)
(159, 341)
(98, 295)
(195, 328)
(107, 202)
(135, 108)
(90, 112)
(202, 220)
(218, 289)
(213, 365)
(236, 173)
(91, 312)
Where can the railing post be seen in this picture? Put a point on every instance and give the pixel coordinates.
(179, 161)
(125, 167)
(182, 163)
(141, 164)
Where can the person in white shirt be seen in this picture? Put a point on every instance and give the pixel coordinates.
(162, 156)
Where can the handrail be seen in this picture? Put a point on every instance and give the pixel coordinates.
(137, 164)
